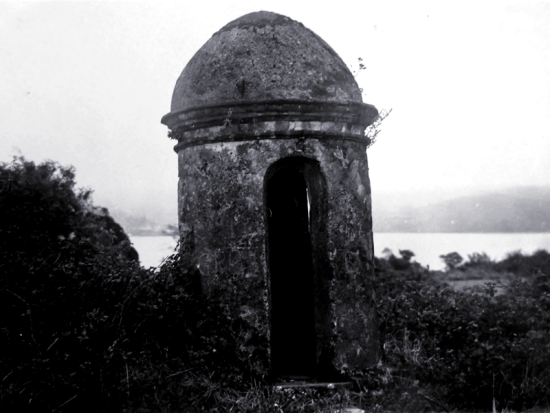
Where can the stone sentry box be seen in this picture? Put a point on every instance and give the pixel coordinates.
(274, 195)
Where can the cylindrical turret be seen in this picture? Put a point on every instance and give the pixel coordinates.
(274, 193)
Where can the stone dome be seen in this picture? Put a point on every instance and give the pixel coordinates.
(264, 56)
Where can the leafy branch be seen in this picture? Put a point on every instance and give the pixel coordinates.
(373, 129)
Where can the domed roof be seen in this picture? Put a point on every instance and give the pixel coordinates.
(264, 56)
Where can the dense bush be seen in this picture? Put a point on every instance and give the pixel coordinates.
(83, 326)
(525, 265)
(57, 253)
(468, 347)
(41, 210)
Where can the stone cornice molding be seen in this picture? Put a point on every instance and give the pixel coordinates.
(250, 120)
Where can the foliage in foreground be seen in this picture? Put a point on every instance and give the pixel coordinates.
(85, 328)
(466, 348)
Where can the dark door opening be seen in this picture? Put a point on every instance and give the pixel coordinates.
(291, 273)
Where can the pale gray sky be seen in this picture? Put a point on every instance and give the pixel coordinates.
(86, 84)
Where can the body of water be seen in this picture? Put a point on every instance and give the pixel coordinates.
(426, 247)
(152, 250)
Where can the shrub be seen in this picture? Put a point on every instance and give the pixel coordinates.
(84, 327)
(477, 260)
(468, 347)
(451, 260)
(525, 265)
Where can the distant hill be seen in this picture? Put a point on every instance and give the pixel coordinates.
(524, 209)
(520, 209)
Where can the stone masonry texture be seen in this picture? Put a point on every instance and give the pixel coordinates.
(265, 90)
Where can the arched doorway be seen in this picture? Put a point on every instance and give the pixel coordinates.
(288, 206)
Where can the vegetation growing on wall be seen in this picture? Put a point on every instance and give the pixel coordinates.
(374, 129)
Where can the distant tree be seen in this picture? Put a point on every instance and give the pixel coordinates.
(406, 255)
(480, 260)
(525, 265)
(386, 253)
(451, 260)
(402, 263)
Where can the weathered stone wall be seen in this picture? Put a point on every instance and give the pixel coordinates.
(266, 101)
(221, 206)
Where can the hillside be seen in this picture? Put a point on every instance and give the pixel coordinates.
(520, 209)
(524, 209)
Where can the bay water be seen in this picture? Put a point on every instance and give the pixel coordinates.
(427, 247)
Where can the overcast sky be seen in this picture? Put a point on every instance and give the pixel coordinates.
(86, 84)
